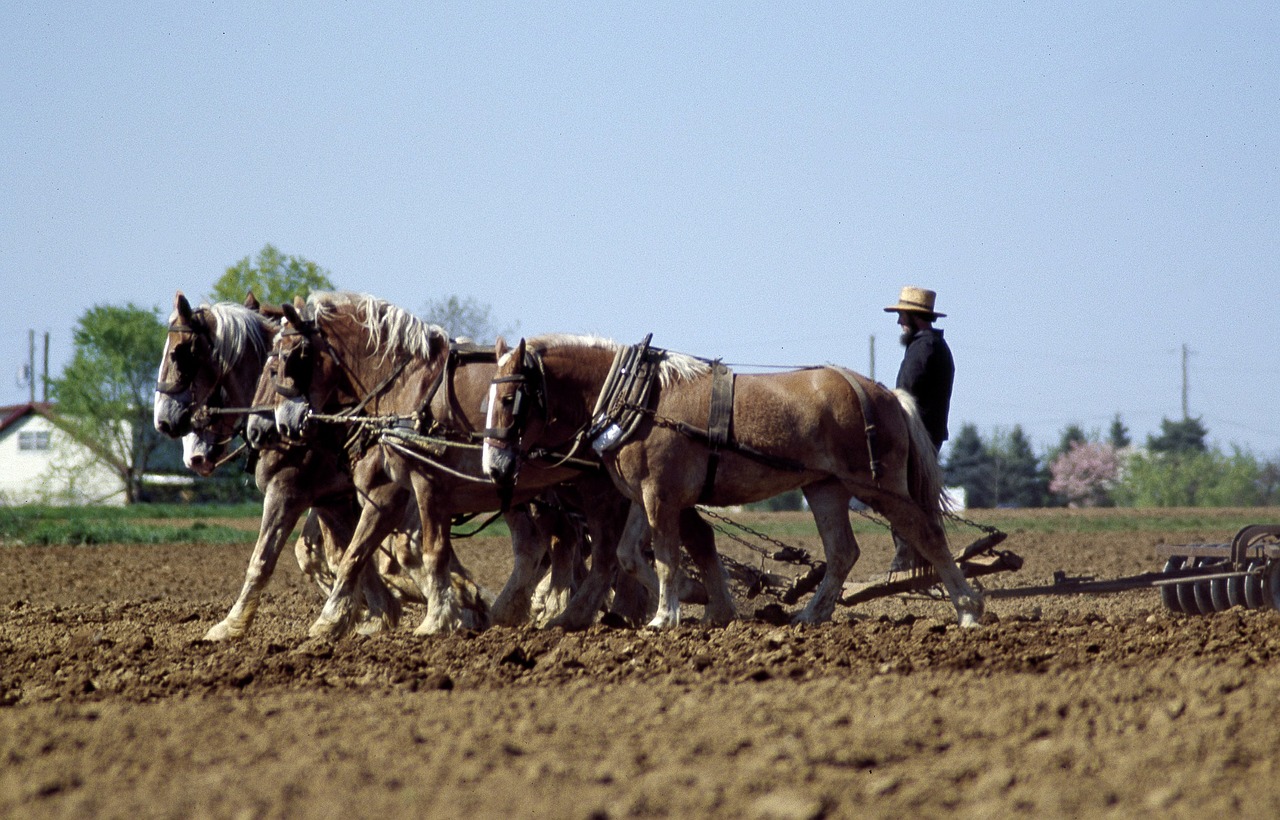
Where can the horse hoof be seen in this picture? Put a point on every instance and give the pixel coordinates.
(325, 630)
(222, 631)
(969, 621)
(661, 621)
(436, 626)
(371, 626)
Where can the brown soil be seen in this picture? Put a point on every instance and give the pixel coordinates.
(111, 705)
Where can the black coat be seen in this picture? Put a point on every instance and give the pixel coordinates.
(926, 373)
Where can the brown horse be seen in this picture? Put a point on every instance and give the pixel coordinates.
(807, 428)
(213, 358)
(365, 365)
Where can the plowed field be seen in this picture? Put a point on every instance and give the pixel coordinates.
(112, 705)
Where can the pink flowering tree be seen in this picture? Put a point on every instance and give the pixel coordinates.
(1086, 473)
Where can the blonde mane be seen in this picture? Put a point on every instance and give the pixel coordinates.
(239, 329)
(675, 367)
(391, 328)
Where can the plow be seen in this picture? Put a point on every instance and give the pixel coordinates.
(1195, 579)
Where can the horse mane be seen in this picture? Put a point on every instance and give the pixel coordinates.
(391, 328)
(674, 367)
(238, 330)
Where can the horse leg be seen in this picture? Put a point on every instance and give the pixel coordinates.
(829, 503)
(604, 520)
(925, 533)
(281, 510)
(309, 549)
(336, 523)
(528, 546)
(700, 540)
(383, 502)
(553, 593)
(664, 526)
(430, 569)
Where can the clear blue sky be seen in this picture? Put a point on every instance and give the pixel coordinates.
(1088, 186)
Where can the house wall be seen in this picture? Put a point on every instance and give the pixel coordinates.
(64, 473)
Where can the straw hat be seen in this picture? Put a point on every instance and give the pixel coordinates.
(915, 300)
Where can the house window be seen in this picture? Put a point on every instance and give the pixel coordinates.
(33, 440)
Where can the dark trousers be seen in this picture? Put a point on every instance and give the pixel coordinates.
(904, 555)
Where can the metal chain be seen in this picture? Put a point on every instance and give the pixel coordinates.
(786, 552)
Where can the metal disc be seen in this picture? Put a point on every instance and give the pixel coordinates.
(1271, 584)
(1253, 593)
(1187, 594)
(1218, 592)
(1202, 589)
(1169, 592)
(1235, 591)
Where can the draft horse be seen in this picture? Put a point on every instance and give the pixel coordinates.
(826, 430)
(415, 418)
(213, 358)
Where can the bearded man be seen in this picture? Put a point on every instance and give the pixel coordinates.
(927, 372)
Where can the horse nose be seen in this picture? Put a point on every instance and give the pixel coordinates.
(258, 431)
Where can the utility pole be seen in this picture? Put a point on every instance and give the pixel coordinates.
(31, 363)
(1186, 405)
(44, 382)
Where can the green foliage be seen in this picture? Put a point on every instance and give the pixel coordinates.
(970, 467)
(465, 318)
(76, 526)
(1001, 473)
(1193, 479)
(789, 501)
(274, 278)
(1186, 436)
(104, 394)
(1118, 435)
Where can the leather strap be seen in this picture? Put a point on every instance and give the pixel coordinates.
(719, 423)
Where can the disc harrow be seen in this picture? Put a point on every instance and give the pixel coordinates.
(1199, 579)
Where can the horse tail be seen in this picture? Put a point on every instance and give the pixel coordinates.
(924, 473)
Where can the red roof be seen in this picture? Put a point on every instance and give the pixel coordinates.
(15, 412)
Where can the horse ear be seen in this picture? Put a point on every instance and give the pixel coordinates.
(251, 301)
(291, 316)
(182, 306)
(499, 347)
(299, 302)
(520, 348)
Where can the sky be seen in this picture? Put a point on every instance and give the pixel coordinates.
(1090, 187)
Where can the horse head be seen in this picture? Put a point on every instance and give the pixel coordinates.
(510, 399)
(294, 379)
(185, 361)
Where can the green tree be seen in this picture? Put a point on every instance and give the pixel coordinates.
(273, 278)
(104, 394)
(1118, 436)
(969, 465)
(1186, 436)
(1192, 479)
(1019, 479)
(465, 318)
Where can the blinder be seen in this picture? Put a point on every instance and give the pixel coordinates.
(297, 364)
(526, 398)
(185, 361)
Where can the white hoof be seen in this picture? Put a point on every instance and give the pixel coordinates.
(969, 621)
(223, 631)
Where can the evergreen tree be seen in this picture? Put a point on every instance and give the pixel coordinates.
(1186, 436)
(1118, 436)
(969, 465)
(1020, 481)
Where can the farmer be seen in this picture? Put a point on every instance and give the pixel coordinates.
(926, 372)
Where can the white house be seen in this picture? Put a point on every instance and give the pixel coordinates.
(41, 463)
